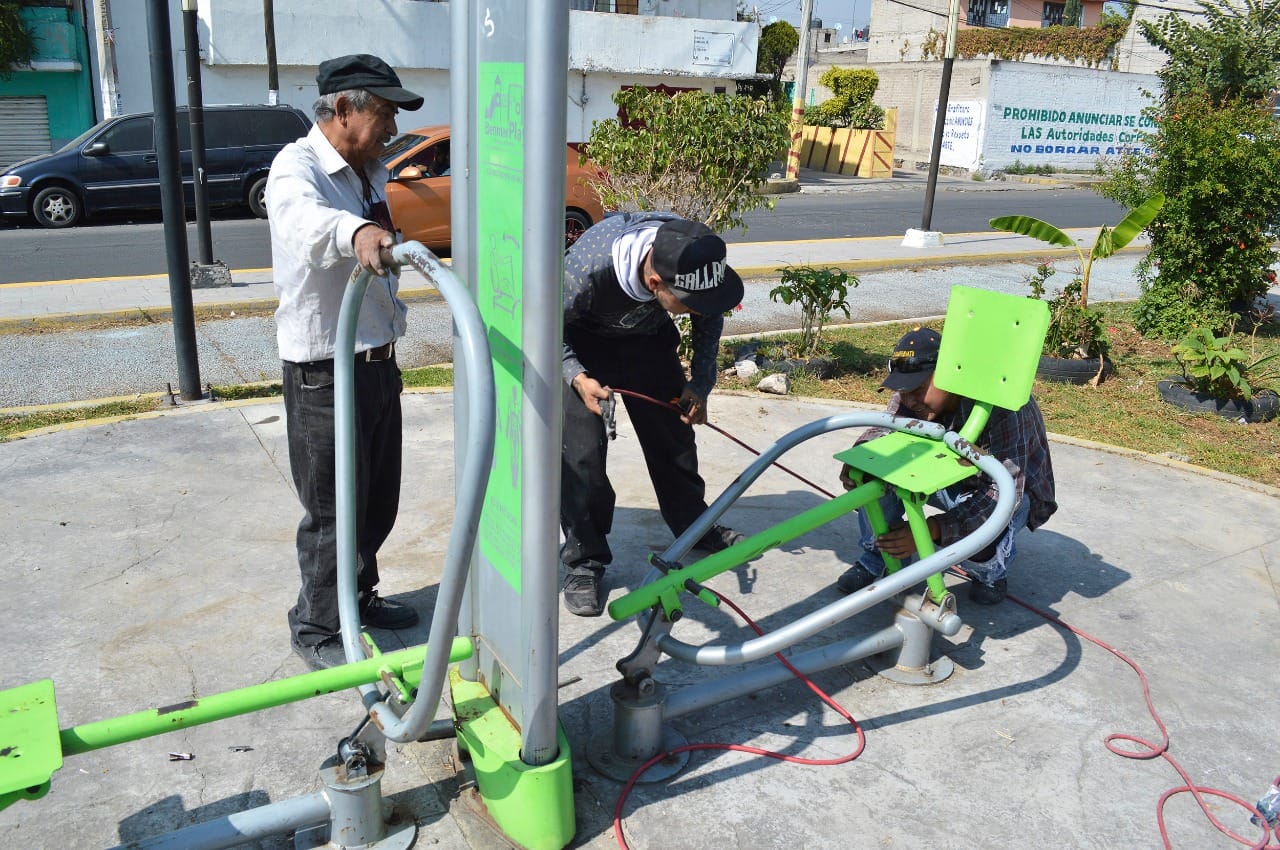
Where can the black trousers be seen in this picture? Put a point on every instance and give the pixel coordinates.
(644, 364)
(308, 404)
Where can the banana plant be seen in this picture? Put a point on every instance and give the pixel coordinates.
(1108, 241)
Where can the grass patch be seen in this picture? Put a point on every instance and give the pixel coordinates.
(15, 423)
(1125, 410)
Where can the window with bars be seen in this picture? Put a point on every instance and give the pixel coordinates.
(988, 13)
(1053, 13)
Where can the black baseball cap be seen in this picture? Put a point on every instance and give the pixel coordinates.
(368, 72)
(690, 259)
(913, 360)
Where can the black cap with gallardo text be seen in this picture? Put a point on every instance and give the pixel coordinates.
(690, 259)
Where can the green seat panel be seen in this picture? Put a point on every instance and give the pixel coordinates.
(991, 346)
(30, 748)
(916, 464)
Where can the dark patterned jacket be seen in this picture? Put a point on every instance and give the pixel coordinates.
(594, 301)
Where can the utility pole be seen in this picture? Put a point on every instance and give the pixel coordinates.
(175, 225)
(925, 236)
(802, 86)
(206, 271)
(273, 73)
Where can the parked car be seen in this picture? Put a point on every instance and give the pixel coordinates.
(112, 165)
(419, 190)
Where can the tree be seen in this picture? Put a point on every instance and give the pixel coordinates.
(1072, 14)
(1214, 153)
(693, 153)
(1228, 52)
(778, 41)
(17, 46)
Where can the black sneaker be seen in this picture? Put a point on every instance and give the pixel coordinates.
(854, 579)
(323, 655)
(988, 594)
(380, 613)
(719, 538)
(582, 592)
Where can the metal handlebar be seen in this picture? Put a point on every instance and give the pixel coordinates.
(470, 494)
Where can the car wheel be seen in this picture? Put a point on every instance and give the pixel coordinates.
(576, 223)
(258, 197)
(56, 206)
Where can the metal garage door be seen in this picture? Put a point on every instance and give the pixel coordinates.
(24, 131)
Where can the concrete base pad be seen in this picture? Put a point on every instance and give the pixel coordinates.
(922, 239)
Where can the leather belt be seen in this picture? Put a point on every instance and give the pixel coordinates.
(375, 355)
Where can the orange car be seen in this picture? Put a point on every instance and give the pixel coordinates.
(418, 192)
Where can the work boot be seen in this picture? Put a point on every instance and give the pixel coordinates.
(988, 594)
(582, 591)
(719, 538)
(323, 655)
(854, 579)
(379, 613)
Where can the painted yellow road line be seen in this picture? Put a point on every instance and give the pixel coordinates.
(165, 276)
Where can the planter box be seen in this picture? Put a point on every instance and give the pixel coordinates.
(1260, 408)
(858, 153)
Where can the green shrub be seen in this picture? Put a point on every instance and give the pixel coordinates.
(1214, 366)
(696, 154)
(17, 46)
(850, 104)
(819, 292)
(1088, 44)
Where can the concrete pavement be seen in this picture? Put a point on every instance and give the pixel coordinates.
(151, 561)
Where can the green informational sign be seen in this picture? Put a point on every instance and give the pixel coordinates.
(500, 293)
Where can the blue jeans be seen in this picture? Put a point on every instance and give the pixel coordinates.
(987, 572)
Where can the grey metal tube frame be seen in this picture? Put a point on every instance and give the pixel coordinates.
(890, 585)
(470, 491)
(235, 829)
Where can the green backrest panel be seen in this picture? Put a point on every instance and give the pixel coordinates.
(991, 345)
(30, 749)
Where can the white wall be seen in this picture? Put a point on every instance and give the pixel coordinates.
(606, 52)
(1066, 117)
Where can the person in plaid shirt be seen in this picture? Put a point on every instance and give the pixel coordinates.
(1016, 437)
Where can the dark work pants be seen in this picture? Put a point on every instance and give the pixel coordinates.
(308, 404)
(644, 364)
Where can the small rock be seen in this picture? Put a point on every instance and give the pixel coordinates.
(778, 384)
(746, 369)
(1177, 457)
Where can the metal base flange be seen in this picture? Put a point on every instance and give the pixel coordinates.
(398, 837)
(600, 755)
(931, 674)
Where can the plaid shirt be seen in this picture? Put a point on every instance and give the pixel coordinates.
(1018, 439)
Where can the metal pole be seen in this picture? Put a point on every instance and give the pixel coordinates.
(273, 73)
(940, 117)
(802, 84)
(175, 225)
(195, 112)
(548, 53)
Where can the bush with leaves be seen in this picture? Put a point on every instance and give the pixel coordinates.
(819, 292)
(1219, 166)
(850, 104)
(696, 154)
(1215, 153)
(17, 46)
(777, 42)
(1215, 366)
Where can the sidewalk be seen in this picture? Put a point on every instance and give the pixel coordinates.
(63, 301)
(151, 561)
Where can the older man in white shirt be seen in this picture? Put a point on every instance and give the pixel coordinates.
(326, 201)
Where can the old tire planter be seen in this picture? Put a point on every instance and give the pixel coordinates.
(1061, 370)
(1261, 408)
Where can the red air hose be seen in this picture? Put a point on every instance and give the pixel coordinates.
(1146, 751)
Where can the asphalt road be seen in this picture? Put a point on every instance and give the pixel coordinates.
(132, 247)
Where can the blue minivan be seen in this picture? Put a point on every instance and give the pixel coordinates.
(112, 165)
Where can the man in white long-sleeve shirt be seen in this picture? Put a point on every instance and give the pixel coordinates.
(326, 201)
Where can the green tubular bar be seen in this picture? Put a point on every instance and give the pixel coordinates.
(665, 589)
(531, 804)
(406, 663)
